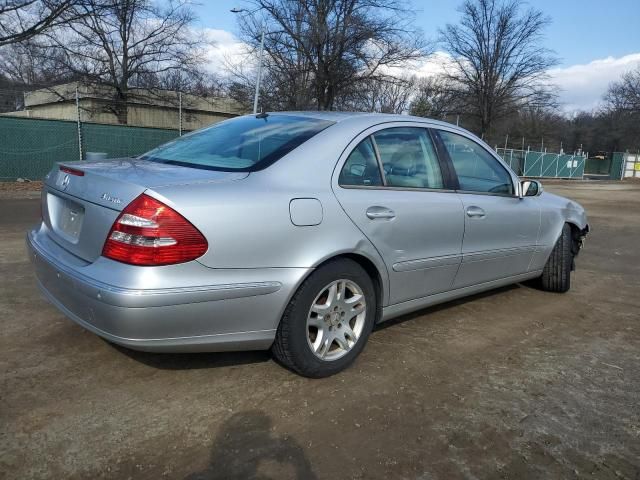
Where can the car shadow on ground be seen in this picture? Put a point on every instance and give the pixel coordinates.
(447, 305)
(247, 447)
(194, 361)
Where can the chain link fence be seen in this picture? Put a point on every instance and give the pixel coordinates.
(527, 163)
(29, 147)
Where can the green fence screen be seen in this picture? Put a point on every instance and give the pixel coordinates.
(617, 165)
(29, 147)
(544, 165)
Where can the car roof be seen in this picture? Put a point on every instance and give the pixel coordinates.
(336, 116)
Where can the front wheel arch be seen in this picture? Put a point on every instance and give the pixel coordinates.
(577, 235)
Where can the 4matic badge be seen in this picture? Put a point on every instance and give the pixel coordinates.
(109, 198)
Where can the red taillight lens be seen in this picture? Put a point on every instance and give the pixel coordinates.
(72, 171)
(147, 232)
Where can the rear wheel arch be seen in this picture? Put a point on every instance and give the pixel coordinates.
(291, 343)
(380, 286)
(373, 273)
(369, 266)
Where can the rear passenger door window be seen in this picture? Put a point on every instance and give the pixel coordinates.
(408, 158)
(361, 168)
(477, 170)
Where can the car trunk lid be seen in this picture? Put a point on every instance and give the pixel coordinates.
(81, 200)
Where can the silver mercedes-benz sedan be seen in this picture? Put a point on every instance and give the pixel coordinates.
(293, 231)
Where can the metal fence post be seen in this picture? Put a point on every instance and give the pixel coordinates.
(180, 113)
(79, 123)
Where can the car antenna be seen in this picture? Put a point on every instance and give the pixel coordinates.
(262, 115)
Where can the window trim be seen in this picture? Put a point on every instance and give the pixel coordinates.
(447, 182)
(376, 152)
(449, 161)
(446, 166)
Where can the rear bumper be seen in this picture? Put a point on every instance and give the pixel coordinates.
(234, 309)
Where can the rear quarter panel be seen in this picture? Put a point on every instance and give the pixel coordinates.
(247, 223)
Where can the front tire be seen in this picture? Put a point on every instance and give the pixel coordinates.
(556, 276)
(328, 320)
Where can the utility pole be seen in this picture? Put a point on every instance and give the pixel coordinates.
(260, 55)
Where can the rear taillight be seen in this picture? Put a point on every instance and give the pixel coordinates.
(72, 171)
(148, 232)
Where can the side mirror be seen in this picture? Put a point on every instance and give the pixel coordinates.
(530, 188)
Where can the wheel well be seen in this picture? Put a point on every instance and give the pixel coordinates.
(371, 270)
(576, 238)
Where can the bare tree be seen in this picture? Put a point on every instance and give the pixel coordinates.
(387, 95)
(498, 62)
(435, 98)
(122, 44)
(21, 20)
(318, 50)
(624, 95)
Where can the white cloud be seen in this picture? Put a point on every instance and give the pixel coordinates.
(434, 65)
(225, 48)
(582, 86)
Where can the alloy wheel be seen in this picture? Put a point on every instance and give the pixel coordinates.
(336, 319)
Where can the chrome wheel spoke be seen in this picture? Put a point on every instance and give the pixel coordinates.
(353, 300)
(333, 295)
(356, 310)
(316, 322)
(342, 342)
(325, 344)
(320, 309)
(349, 333)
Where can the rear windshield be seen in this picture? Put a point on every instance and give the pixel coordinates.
(242, 144)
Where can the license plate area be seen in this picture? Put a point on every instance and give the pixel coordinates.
(66, 217)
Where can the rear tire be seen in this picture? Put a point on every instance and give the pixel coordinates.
(556, 276)
(328, 320)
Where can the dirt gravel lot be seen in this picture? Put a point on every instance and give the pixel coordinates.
(515, 383)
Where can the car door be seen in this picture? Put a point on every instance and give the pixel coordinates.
(501, 229)
(392, 187)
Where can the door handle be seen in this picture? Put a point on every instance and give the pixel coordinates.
(475, 212)
(380, 212)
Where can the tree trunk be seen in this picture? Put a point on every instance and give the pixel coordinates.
(121, 108)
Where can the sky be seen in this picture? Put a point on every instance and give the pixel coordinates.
(595, 40)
